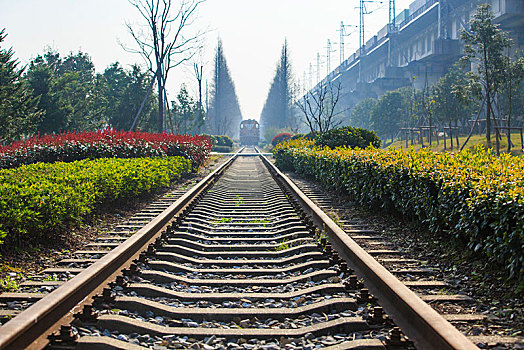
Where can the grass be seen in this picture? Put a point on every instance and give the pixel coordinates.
(282, 246)
(258, 221)
(9, 284)
(222, 220)
(516, 149)
(239, 201)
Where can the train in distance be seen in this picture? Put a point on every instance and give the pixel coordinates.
(249, 132)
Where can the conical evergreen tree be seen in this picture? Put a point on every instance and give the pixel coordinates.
(223, 116)
(19, 112)
(277, 112)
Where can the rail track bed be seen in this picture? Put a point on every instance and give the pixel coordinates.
(243, 260)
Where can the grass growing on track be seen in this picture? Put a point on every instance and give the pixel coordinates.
(40, 201)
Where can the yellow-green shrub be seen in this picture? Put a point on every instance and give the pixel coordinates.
(41, 200)
(474, 196)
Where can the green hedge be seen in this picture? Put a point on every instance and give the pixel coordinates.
(475, 197)
(222, 149)
(40, 200)
(348, 136)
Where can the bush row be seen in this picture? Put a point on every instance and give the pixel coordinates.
(221, 140)
(475, 196)
(348, 136)
(39, 201)
(283, 136)
(74, 146)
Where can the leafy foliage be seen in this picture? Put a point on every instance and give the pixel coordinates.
(73, 97)
(349, 137)
(485, 44)
(41, 201)
(362, 112)
(186, 115)
(475, 197)
(280, 138)
(68, 90)
(121, 94)
(18, 108)
(103, 144)
(221, 143)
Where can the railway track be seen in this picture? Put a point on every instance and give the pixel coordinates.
(243, 260)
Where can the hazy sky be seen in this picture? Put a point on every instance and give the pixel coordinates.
(252, 33)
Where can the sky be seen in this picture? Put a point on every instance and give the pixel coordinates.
(252, 33)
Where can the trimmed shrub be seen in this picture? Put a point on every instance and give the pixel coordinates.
(40, 201)
(222, 149)
(69, 147)
(283, 136)
(348, 136)
(297, 136)
(221, 143)
(475, 197)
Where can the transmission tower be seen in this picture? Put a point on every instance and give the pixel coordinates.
(318, 67)
(363, 12)
(361, 26)
(392, 12)
(328, 56)
(343, 33)
(310, 76)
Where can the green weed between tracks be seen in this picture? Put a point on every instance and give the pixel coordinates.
(474, 197)
(40, 201)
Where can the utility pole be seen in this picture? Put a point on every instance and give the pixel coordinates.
(318, 67)
(304, 83)
(310, 76)
(363, 12)
(328, 57)
(361, 26)
(392, 12)
(343, 34)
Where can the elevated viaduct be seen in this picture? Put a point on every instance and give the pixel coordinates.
(422, 44)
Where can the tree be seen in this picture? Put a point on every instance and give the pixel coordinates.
(223, 116)
(122, 92)
(513, 79)
(391, 111)
(319, 107)
(361, 114)
(277, 111)
(41, 76)
(18, 108)
(450, 104)
(484, 47)
(166, 42)
(187, 118)
(67, 90)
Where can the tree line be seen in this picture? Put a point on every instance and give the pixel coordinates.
(55, 93)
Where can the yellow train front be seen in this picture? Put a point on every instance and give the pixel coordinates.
(249, 132)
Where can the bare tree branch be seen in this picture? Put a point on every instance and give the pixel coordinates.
(168, 42)
(319, 107)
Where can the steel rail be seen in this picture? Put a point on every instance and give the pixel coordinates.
(30, 328)
(421, 323)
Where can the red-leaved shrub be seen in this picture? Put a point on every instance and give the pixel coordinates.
(68, 147)
(283, 136)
